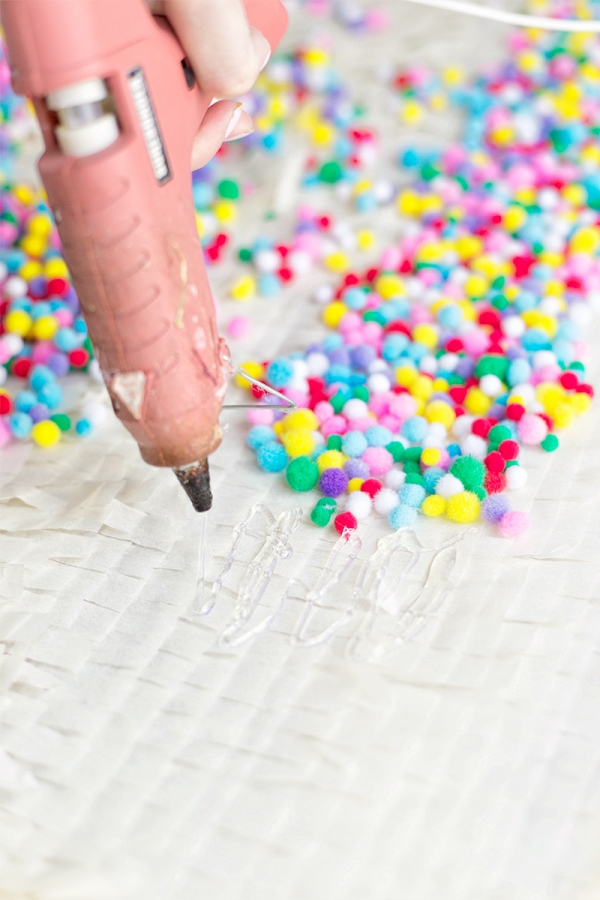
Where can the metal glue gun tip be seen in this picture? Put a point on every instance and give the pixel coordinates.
(195, 480)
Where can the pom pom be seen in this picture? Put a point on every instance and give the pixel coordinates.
(320, 516)
(395, 479)
(333, 482)
(345, 522)
(402, 517)
(412, 495)
(431, 478)
(385, 501)
(371, 487)
(514, 524)
(470, 471)
(532, 429)
(463, 507)
(272, 457)
(495, 482)
(448, 485)
(494, 507)
(509, 450)
(415, 429)
(359, 504)
(302, 474)
(377, 436)
(354, 443)
(299, 442)
(474, 446)
(378, 459)
(356, 468)
(516, 477)
(494, 462)
(433, 506)
(259, 435)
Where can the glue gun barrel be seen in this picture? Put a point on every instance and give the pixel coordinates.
(195, 480)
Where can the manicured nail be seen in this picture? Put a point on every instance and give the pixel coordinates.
(238, 136)
(233, 120)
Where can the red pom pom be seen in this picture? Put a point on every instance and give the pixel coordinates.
(221, 239)
(371, 487)
(58, 287)
(459, 411)
(5, 405)
(547, 420)
(351, 278)
(569, 381)
(283, 250)
(79, 358)
(455, 345)
(285, 274)
(495, 482)
(584, 388)
(345, 522)
(481, 427)
(509, 449)
(515, 412)
(494, 462)
(21, 367)
(371, 275)
(406, 267)
(398, 326)
(490, 317)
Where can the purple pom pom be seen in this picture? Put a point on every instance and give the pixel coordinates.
(494, 507)
(333, 482)
(356, 468)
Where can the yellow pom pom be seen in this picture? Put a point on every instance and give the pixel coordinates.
(422, 387)
(406, 375)
(301, 418)
(46, 433)
(388, 286)
(574, 194)
(278, 428)
(476, 402)
(24, 194)
(299, 442)
(463, 507)
(549, 395)
(40, 225)
(431, 456)
(33, 245)
(366, 240)
(45, 328)
(440, 385)
(579, 403)
(323, 134)
(514, 218)
(355, 484)
(476, 286)
(409, 203)
(225, 211)
(433, 506)
(438, 411)
(412, 112)
(244, 288)
(563, 415)
(331, 459)
(255, 369)
(469, 246)
(337, 261)
(426, 335)
(31, 269)
(334, 313)
(18, 322)
(56, 268)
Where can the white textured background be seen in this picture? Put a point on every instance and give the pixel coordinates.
(143, 758)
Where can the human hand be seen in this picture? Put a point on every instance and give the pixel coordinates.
(226, 55)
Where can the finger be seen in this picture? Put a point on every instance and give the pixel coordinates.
(225, 52)
(224, 121)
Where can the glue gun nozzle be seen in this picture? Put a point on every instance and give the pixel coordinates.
(195, 480)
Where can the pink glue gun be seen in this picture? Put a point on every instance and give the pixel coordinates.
(119, 107)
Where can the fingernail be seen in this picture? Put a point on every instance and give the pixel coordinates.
(233, 120)
(238, 136)
(267, 58)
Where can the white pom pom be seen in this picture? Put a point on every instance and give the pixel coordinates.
(94, 411)
(299, 262)
(267, 261)
(386, 500)
(473, 445)
(94, 371)
(14, 287)
(429, 365)
(324, 294)
(13, 342)
(378, 383)
(355, 409)
(491, 385)
(448, 362)
(516, 476)
(461, 427)
(551, 305)
(543, 358)
(318, 438)
(438, 431)
(317, 364)
(525, 391)
(513, 326)
(300, 368)
(448, 485)
(394, 479)
(359, 504)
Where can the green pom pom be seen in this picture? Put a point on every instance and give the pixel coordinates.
(412, 468)
(499, 433)
(397, 450)
(361, 393)
(331, 172)
(302, 474)
(413, 454)
(550, 443)
(468, 470)
(413, 478)
(338, 401)
(228, 189)
(320, 516)
(491, 364)
(511, 462)
(245, 254)
(480, 492)
(327, 503)
(334, 442)
(63, 422)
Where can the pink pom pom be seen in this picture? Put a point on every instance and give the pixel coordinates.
(334, 425)
(475, 342)
(261, 416)
(532, 429)
(323, 411)
(42, 351)
(378, 459)
(404, 406)
(514, 524)
(238, 327)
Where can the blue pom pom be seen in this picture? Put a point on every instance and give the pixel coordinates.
(415, 429)
(24, 401)
(412, 495)
(354, 298)
(402, 516)
(378, 436)
(450, 317)
(518, 372)
(393, 345)
(453, 450)
(272, 457)
(259, 435)
(280, 372)
(354, 444)
(20, 424)
(269, 285)
(40, 376)
(431, 477)
(84, 427)
(51, 394)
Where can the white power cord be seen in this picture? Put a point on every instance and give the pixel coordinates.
(525, 21)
